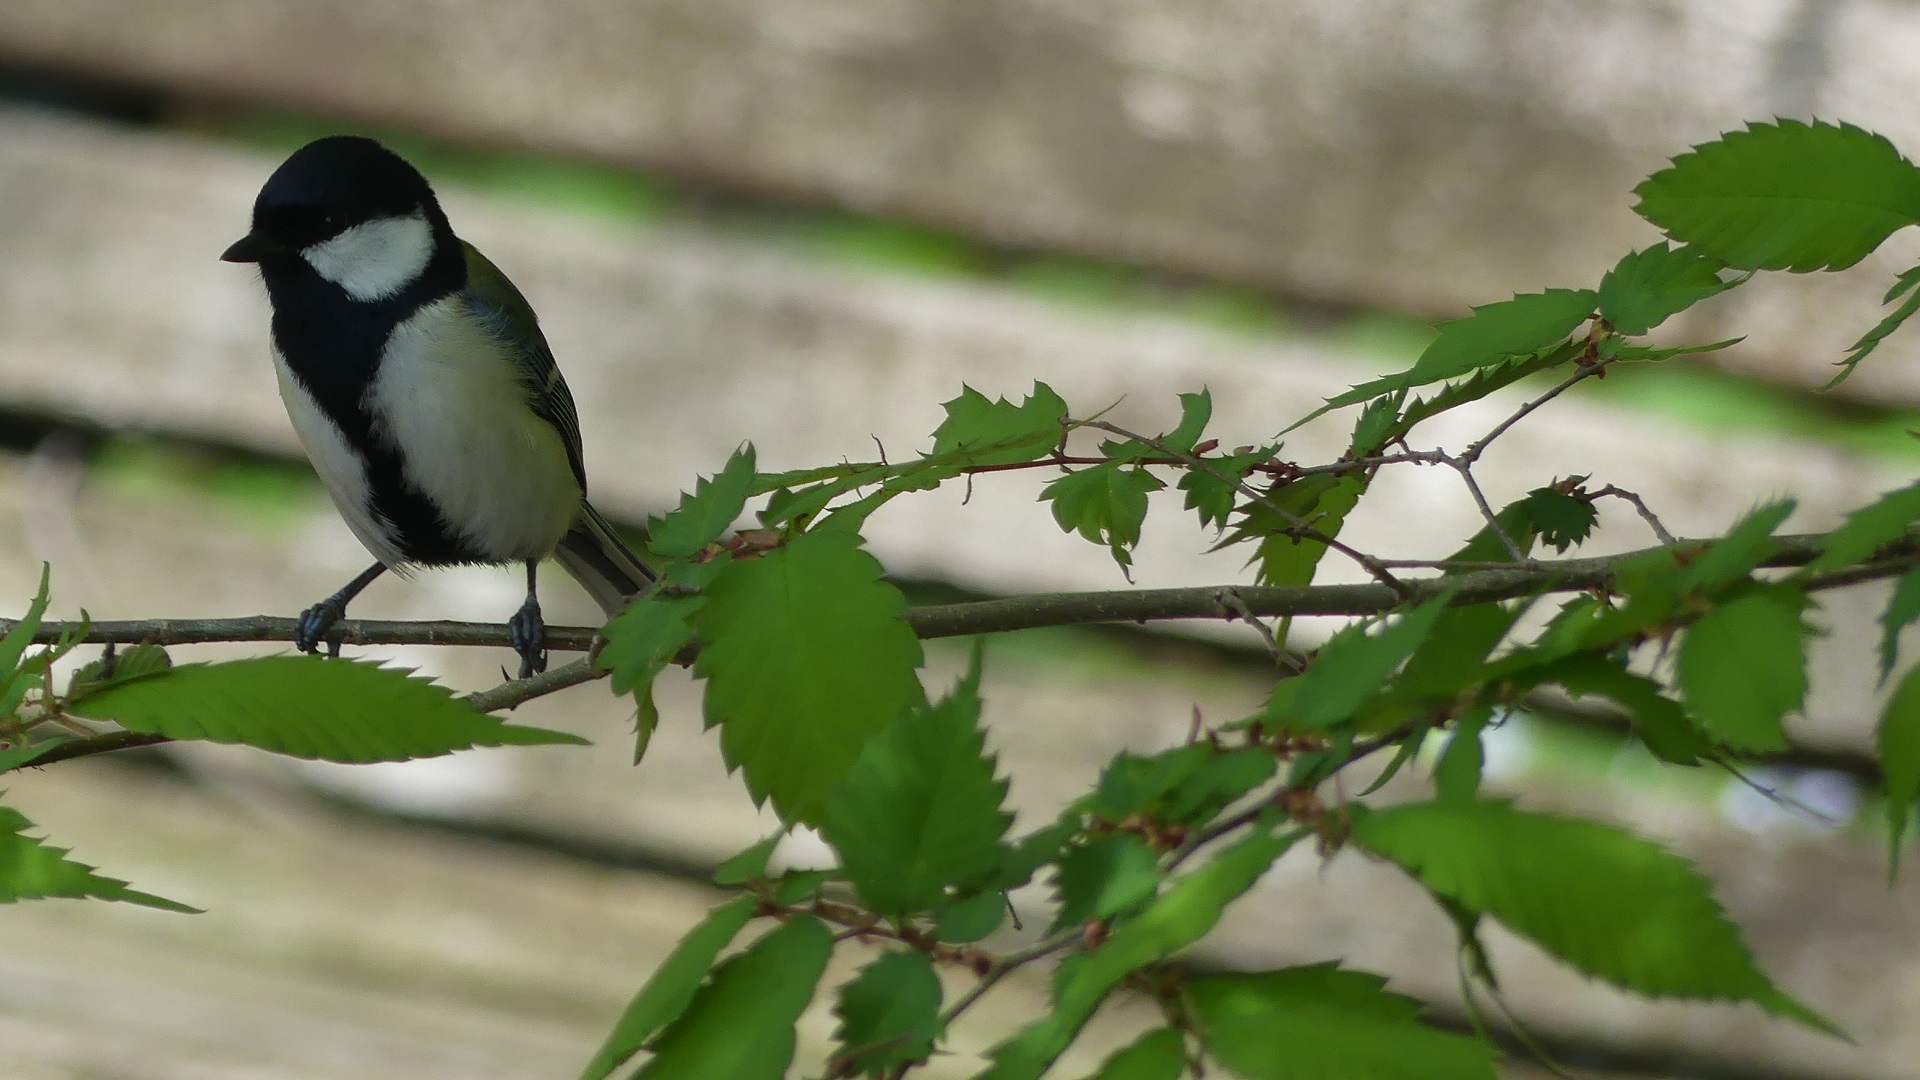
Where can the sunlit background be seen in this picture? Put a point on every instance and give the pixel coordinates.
(807, 224)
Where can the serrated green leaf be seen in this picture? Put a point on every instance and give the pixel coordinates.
(798, 887)
(308, 707)
(1176, 919)
(1494, 334)
(1500, 331)
(1658, 720)
(671, 988)
(1132, 783)
(702, 516)
(1110, 875)
(33, 870)
(1105, 503)
(1350, 668)
(1742, 668)
(1316, 1022)
(1609, 903)
(968, 920)
(14, 645)
(1320, 502)
(640, 642)
(1624, 350)
(1457, 774)
(1904, 285)
(921, 809)
(1902, 609)
(1197, 798)
(1868, 529)
(1560, 519)
(889, 1014)
(806, 653)
(1650, 285)
(20, 757)
(1785, 196)
(1898, 741)
(1195, 412)
(122, 665)
(1376, 426)
(748, 865)
(740, 1024)
(1160, 1054)
(1213, 497)
(1450, 659)
(1735, 555)
(999, 432)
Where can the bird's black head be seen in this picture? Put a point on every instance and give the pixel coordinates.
(354, 211)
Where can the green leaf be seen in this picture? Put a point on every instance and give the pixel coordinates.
(1561, 519)
(14, 645)
(1785, 196)
(1105, 503)
(999, 432)
(708, 512)
(308, 707)
(1213, 497)
(33, 870)
(1742, 668)
(970, 919)
(1224, 777)
(1195, 411)
(1316, 1022)
(806, 653)
(1352, 667)
(1904, 285)
(1457, 773)
(1899, 745)
(1659, 720)
(1109, 876)
(1377, 425)
(889, 1015)
(20, 757)
(921, 809)
(1176, 919)
(1134, 783)
(1320, 502)
(1902, 609)
(1160, 1054)
(672, 986)
(123, 665)
(748, 865)
(1868, 529)
(740, 1025)
(1609, 903)
(1493, 334)
(1497, 332)
(1645, 288)
(1735, 555)
(643, 639)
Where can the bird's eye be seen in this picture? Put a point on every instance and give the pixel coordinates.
(330, 220)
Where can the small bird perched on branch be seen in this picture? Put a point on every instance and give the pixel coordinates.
(421, 387)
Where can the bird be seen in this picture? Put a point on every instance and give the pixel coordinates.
(422, 389)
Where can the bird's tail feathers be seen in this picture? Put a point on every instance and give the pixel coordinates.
(601, 562)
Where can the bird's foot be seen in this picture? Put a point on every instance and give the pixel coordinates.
(528, 632)
(312, 626)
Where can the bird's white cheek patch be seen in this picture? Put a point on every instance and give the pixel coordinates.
(375, 259)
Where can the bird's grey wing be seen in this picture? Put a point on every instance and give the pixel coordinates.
(492, 298)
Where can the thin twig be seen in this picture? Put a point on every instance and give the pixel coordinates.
(1640, 505)
(1465, 469)
(1479, 446)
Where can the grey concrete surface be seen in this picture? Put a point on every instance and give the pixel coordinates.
(1408, 153)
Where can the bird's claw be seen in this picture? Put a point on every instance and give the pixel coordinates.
(312, 626)
(528, 633)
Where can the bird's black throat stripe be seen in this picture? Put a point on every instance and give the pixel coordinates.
(332, 345)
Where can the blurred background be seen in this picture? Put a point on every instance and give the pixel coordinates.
(807, 224)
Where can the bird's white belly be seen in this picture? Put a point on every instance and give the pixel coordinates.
(341, 470)
(449, 396)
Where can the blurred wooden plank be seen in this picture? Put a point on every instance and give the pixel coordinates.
(1406, 154)
(680, 345)
(1815, 905)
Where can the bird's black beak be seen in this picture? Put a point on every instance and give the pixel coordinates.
(250, 248)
